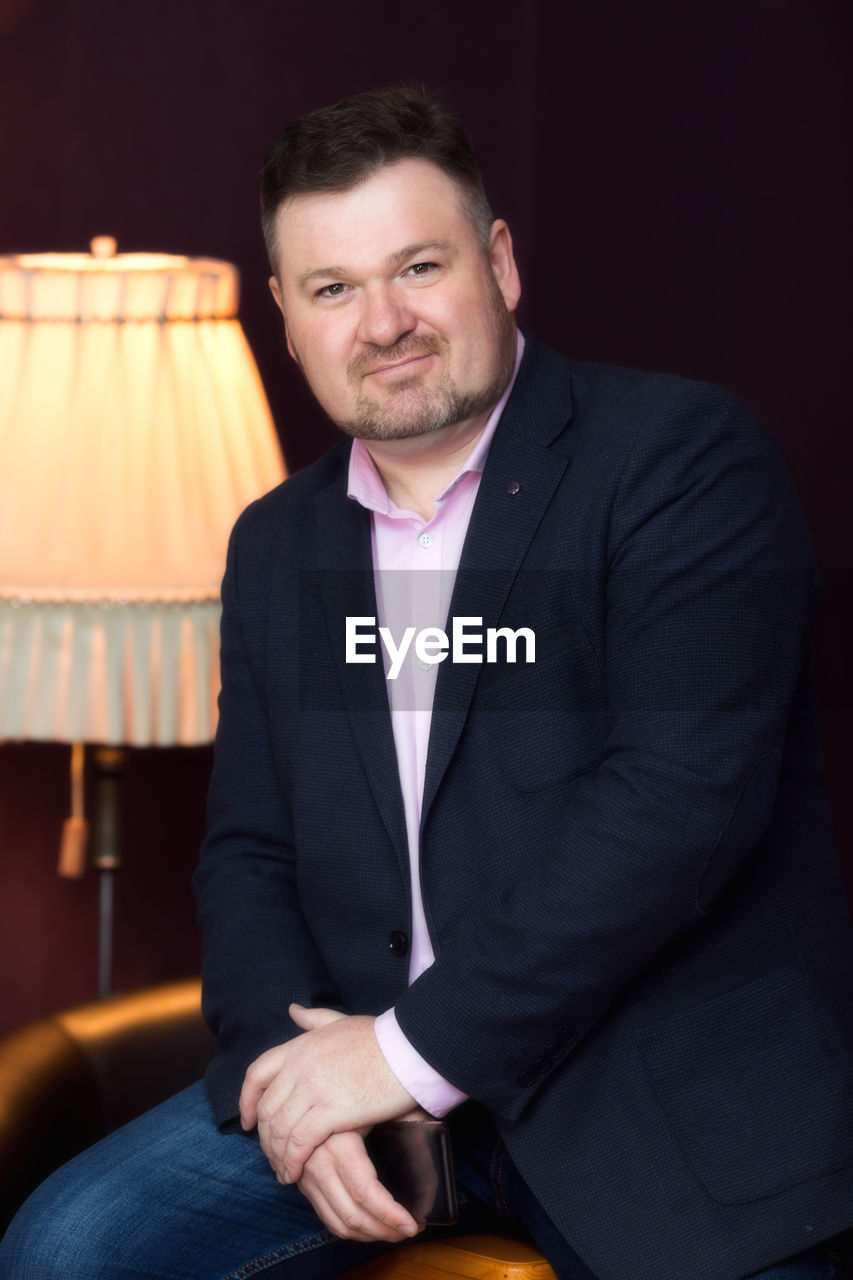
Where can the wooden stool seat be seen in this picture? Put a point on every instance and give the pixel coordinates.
(470, 1257)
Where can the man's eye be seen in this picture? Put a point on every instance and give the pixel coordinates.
(422, 268)
(331, 291)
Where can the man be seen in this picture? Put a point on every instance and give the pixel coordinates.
(554, 864)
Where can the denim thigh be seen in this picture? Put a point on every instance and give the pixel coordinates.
(169, 1197)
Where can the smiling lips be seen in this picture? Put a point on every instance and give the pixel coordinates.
(406, 363)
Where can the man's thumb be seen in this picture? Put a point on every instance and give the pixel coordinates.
(310, 1019)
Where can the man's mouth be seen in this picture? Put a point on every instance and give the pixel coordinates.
(395, 366)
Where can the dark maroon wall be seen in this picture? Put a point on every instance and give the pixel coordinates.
(677, 178)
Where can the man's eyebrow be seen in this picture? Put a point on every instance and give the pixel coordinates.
(393, 260)
(321, 273)
(415, 250)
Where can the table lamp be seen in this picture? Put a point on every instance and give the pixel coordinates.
(133, 431)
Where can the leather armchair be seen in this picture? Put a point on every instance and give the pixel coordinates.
(69, 1079)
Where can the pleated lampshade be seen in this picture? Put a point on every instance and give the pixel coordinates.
(133, 431)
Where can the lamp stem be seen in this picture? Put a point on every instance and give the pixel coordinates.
(109, 766)
(106, 886)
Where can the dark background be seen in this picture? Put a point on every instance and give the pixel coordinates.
(677, 179)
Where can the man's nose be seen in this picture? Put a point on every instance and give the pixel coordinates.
(385, 315)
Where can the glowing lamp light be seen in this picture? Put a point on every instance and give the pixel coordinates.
(133, 431)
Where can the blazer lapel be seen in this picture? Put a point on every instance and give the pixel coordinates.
(519, 480)
(346, 587)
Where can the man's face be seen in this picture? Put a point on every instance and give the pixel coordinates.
(399, 318)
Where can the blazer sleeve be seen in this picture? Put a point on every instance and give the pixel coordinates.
(257, 952)
(707, 595)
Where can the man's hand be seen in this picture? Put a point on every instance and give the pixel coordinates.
(332, 1079)
(341, 1183)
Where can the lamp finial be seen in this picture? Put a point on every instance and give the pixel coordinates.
(103, 246)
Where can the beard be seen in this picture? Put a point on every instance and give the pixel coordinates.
(417, 410)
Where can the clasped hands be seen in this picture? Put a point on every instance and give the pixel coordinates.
(313, 1100)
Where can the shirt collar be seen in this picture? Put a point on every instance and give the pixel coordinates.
(364, 483)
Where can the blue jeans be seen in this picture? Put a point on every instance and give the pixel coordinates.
(170, 1198)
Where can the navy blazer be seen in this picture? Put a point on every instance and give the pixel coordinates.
(643, 961)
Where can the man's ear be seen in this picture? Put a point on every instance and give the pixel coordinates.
(503, 264)
(275, 290)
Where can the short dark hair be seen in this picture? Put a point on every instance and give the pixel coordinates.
(337, 147)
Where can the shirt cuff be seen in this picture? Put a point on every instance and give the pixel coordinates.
(430, 1090)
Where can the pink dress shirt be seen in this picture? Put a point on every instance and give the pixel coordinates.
(415, 563)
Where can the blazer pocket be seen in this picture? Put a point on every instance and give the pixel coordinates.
(754, 1080)
(546, 720)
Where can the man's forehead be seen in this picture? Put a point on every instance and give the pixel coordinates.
(411, 202)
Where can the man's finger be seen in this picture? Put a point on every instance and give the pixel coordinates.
(309, 1019)
(361, 1185)
(259, 1076)
(351, 1221)
(274, 1125)
(306, 1133)
(325, 1212)
(341, 1183)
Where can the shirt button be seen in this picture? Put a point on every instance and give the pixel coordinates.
(425, 666)
(398, 943)
(425, 540)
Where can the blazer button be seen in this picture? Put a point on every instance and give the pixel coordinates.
(526, 1079)
(568, 1036)
(398, 943)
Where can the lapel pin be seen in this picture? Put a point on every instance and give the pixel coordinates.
(513, 486)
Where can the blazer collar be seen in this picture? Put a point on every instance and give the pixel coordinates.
(541, 404)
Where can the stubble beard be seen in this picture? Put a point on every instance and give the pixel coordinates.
(415, 410)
